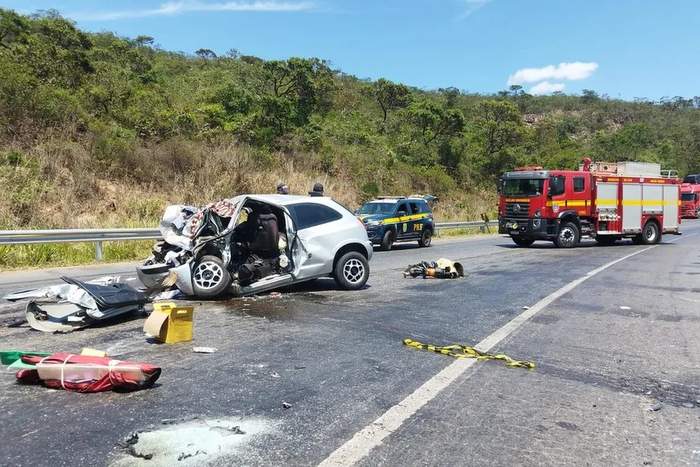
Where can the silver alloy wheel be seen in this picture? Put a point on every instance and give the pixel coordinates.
(208, 275)
(353, 270)
(567, 236)
(650, 232)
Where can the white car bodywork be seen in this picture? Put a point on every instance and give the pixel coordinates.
(314, 250)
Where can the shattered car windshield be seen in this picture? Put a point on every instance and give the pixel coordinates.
(376, 208)
(523, 187)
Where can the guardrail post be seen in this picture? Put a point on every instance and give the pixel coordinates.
(98, 251)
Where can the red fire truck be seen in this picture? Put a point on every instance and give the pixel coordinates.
(690, 196)
(605, 201)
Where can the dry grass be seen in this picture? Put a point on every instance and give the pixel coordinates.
(71, 183)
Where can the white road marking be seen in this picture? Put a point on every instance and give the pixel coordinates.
(373, 435)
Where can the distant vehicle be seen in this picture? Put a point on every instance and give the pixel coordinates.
(254, 243)
(606, 201)
(397, 219)
(690, 197)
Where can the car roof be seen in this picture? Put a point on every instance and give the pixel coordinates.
(286, 200)
(395, 200)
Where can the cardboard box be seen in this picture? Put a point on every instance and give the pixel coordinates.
(170, 323)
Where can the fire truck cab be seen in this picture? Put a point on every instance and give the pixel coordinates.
(690, 197)
(605, 201)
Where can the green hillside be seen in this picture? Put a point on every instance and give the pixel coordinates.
(99, 130)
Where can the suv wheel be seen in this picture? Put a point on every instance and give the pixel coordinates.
(426, 238)
(210, 277)
(351, 271)
(387, 240)
(568, 236)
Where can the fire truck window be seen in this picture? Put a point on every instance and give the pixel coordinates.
(688, 196)
(556, 185)
(579, 184)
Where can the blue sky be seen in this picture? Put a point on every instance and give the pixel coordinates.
(623, 48)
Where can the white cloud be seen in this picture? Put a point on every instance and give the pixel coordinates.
(564, 71)
(179, 7)
(545, 87)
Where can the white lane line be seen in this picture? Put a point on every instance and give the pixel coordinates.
(372, 436)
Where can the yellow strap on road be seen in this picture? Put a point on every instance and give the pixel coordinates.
(465, 351)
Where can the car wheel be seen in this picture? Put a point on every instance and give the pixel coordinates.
(522, 241)
(351, 271)
(650, 233)
(426, 238)
(210, 277)
(387, 240)
(568, 236)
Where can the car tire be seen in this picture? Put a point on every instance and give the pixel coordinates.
(426, 238)
(351, 271)
(522, 241)
(210, 277)
(568, 235)
(387, 240)
(650, 233)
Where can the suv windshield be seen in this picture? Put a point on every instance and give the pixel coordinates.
(688, 196)
(523, 186)
(376, 208)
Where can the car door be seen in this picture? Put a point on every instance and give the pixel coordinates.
(403, 220)
(415, 227)
(317, 234)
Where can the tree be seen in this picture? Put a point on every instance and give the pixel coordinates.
(142, 41)
(390, 96)
(435, 122)
(498, 135)
(206, 54)
(300, 84)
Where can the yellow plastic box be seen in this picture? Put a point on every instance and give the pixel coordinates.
(170, 323)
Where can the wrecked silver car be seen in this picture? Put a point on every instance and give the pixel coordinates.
(253, 243)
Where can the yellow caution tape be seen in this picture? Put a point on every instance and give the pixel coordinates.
(465, 351)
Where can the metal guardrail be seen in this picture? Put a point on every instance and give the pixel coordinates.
(97, 236)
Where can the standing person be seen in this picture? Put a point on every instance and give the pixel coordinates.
(317, 190)
(282, 189)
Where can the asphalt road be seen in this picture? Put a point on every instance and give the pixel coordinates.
(617, 378)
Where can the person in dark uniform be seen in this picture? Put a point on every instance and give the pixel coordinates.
(317, 190)
(282, 189)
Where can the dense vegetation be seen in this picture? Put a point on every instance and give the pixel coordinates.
(99, 130)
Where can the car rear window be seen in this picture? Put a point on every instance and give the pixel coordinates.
(307, 215)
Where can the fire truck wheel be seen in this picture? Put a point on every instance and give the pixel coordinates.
(387, 240)
(650, 234)
(522, 241)
(568, 235)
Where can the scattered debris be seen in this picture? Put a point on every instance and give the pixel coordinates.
(170, 323)
(286, 405)
(525, 307)
(76, 304)
(623, 307)
(441, 269)
(654, 407)
(465, 351)
(274, 374)
(275, 295)
(82, 373)
(93, 352)
(204, 349)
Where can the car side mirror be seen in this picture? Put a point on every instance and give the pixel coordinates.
(549, 192)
